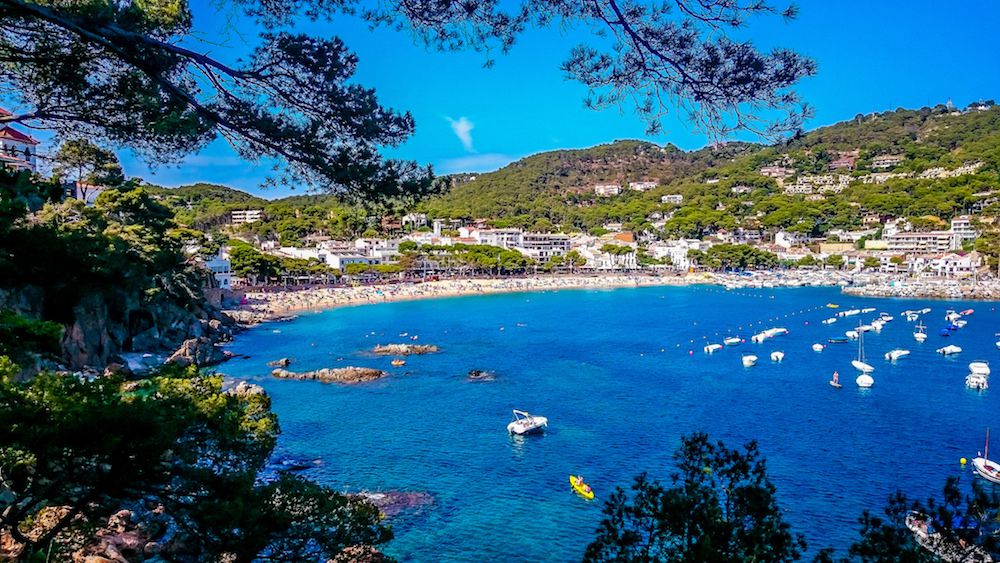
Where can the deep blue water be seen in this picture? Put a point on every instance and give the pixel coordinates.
(612, 372)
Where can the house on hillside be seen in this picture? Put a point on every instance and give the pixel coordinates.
(18, 150)
(887, 161)
(607, 190)
(644, 186)
(242, 216)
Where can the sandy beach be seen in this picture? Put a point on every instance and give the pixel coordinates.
(268, 305)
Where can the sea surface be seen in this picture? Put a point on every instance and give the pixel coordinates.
(621, 376)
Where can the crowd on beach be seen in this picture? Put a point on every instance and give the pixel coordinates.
(274, 303)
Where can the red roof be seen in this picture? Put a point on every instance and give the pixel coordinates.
(14, 134)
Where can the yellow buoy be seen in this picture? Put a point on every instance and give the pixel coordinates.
(962, 461)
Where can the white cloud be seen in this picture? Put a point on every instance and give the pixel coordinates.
(474, 163)
(462, 128)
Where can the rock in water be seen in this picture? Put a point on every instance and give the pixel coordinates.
(405, 349)
(333, 375)
(199, 351)
(281, 363)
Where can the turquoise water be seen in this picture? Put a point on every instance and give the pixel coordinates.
(612, 372)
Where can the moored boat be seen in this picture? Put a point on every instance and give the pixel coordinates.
(896, 354)
(838, 340)
(980, 367)
(859, 363)
(732, 340)
(526, 423)
(984, 467)
(777, 356)
(749, 360)
(712, 348)
(977, 381)
(864, 381)
(920, 334)
(949, 350)
(867, 309)
(852, 334)
(818, 347)
(830, 321)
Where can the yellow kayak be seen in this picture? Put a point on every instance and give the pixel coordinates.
(832, 305)
(580, 487)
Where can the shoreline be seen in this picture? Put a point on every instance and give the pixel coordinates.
(280, 304)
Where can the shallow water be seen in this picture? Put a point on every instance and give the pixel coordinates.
(613, 373)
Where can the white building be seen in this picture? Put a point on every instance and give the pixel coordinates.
(414, 220)
(962, 226)
(17, 150)
(644, 186)
(504, 238)
(340, 260)
(221, 268)
(886, 161)
(776, 171)
(677, 251)
(607, 190)
(946, 265)
(675, 199)
(798, 189)
(542, 246)
(741, 189)
(241, 216)
(934, 242)
(378, 248)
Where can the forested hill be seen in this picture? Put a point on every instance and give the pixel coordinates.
(202, 204)
(558, 186)
(542, 180)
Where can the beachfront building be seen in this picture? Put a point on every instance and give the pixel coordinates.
(381, 249)
(542, 246)
(242, 216)
(945, 265)
(674, 199)
(607, 190)
(676, 252)
(17, 150)
(598, 260)
(642, 186)
(934, 242)
(504, 238)
(340, 260)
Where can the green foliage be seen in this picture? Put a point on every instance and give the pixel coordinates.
(720, 505)
(871, 263)
(734, 257)
(617, 249)
(20, 335)
(176, 439)
(80, 160)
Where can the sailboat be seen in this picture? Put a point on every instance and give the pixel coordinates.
(920, 334)
(859, 363)
(989, 470)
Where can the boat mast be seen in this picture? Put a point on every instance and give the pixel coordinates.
(986, 453)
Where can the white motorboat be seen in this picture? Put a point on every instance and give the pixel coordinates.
(865, 328)
(896, 354)
(777, 331)
(877, 325)
(830, 321)
(951, 316)
(859, 364)
(852, 334)
(712, 348)
(525, 423)
(818, 347)
(960, 323)
(919, 335)
(911, 317)
(732, 340)
(998, 341)
(949, 350)
(777, 356)
(850, 312)
(925, 310)
(980, 367)
(758, 338)
(864, 381)
(749, 360)
(989, 470)
(977, 381)
(885, 317)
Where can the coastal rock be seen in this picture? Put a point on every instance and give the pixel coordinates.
(281, 363)
(405, 349)
(391, 503)
(244, 389)
(333, 375)
(200, 351)
(359, 554)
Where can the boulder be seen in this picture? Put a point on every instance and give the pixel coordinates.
(405, 349)
(281, 363)
(333, 375)
(200, 351)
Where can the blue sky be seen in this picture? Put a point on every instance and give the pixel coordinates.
(872, 56)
